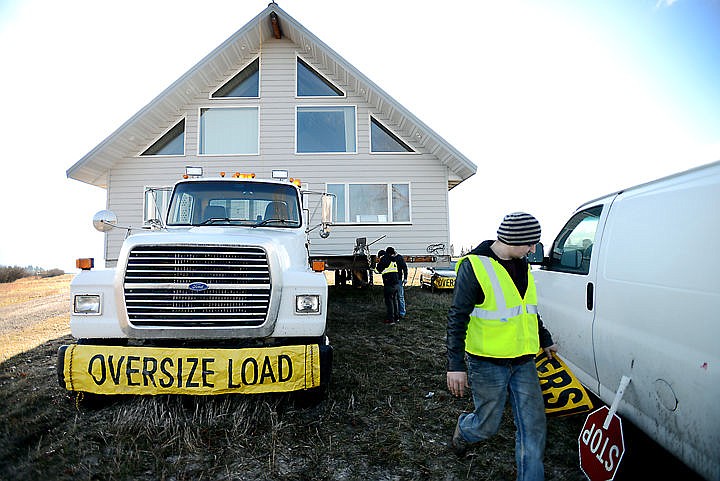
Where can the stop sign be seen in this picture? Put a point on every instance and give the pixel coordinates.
(601, 448)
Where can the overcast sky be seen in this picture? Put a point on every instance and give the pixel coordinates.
(557, 102)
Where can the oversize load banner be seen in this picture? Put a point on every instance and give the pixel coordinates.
(151, 370)
(562, 392)
(445, 282)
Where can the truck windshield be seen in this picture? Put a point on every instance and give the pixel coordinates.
(231, 202)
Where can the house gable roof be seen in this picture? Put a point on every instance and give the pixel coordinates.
(241, 48)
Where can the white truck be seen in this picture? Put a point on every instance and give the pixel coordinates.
(221, 297)
(631, 287)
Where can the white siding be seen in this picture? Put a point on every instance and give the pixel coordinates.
(427, 175)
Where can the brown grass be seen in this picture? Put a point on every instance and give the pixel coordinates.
(29, 288)
(33, 311)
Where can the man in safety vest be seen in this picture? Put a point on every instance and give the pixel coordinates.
(387, 265)
(493, 334)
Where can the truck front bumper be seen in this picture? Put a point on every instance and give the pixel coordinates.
(102, 369)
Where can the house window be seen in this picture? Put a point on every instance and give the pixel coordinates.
(325, 129)
(382, 140)
(339, 191)
(400, 202)
(371, 203)
(312, 84)
(171, 143)
(244, 84)
(229, 131)
(157, 200)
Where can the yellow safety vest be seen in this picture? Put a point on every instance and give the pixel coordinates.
(390, 268)
(505, 325)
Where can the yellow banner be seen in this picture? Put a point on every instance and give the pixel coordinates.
(445, 283)
(152, 370)
(562, 392)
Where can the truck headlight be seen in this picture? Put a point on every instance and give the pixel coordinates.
(307, 304)
(86, 304)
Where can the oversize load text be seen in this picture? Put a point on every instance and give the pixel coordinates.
(105, 369)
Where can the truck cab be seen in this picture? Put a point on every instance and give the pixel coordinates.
(218, 297)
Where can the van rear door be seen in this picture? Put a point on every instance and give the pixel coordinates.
(566, 290)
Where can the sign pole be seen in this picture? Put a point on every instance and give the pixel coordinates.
(618, 396)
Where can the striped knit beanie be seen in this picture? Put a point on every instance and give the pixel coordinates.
(519, 229)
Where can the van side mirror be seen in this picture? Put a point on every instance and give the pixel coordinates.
(571, 259)
(537, 256)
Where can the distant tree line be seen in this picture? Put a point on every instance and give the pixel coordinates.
(13, 273)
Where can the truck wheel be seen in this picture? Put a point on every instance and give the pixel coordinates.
(91, 401)
(359, 277)
(310, 397)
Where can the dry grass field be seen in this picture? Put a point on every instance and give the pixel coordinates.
(387, 416)
(33, 311)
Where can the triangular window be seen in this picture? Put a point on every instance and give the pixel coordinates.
(382, 140)
(244, 84)
(312, 84)
(172, 143)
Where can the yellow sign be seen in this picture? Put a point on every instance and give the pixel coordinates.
(445, 282)
(562, 392)
(152, 370)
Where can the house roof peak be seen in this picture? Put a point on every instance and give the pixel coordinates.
(95, 166)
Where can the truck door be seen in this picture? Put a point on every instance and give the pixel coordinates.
(566, 292)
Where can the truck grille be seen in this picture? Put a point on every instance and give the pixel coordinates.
(158, 280)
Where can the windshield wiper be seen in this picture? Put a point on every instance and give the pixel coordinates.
(229, 220)
(267, 221)
(212, 220)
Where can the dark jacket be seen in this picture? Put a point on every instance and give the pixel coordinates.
(392, 277)
(468, 293)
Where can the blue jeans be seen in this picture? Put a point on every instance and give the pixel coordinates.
(490, 384)
(401, 300)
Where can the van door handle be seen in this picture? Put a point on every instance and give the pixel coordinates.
(589, 296)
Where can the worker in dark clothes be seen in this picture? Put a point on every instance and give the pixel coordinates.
(387, 266)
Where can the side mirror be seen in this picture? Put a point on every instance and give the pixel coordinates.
(537, 256)
(327, 209)
(327, 215)
(571, 259)
(104, 220)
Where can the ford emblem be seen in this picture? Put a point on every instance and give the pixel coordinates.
(198, 286)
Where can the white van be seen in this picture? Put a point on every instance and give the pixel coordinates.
(631, 287)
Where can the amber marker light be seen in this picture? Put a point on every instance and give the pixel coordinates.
(85, 264)
(318, 266)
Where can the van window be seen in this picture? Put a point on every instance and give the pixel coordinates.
(572, 249)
